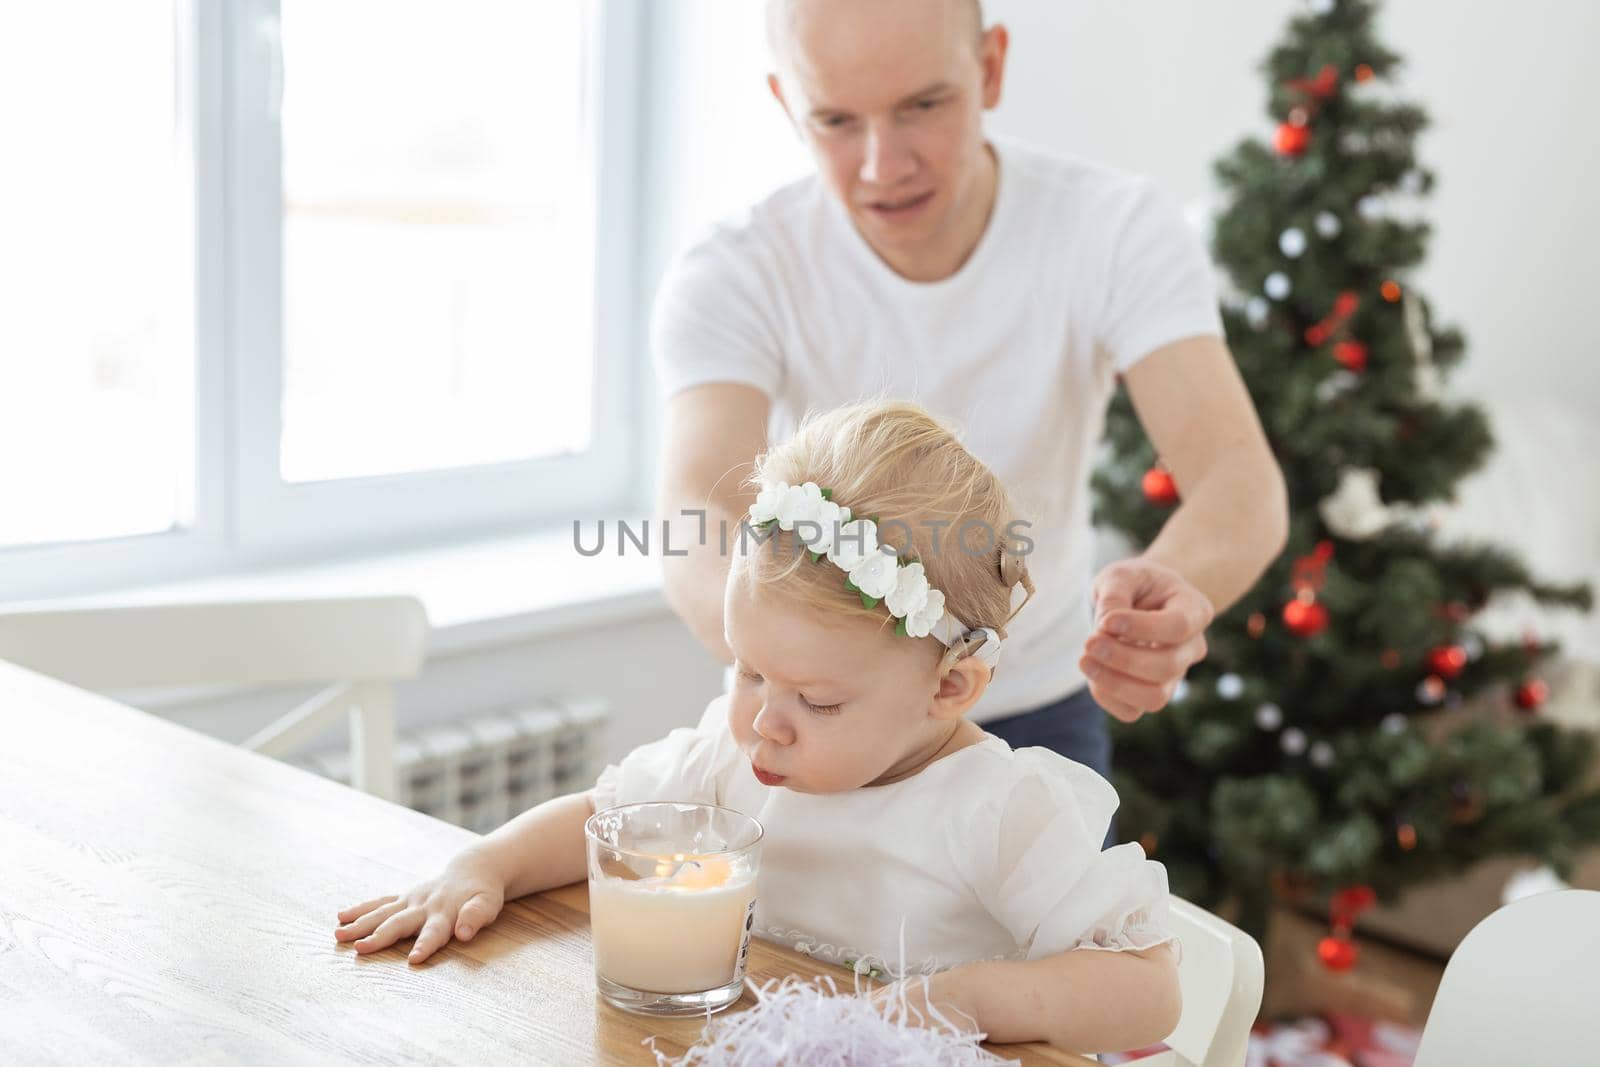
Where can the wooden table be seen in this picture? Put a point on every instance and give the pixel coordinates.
(168, 898)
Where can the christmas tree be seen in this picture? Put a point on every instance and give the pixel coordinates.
(1351, 732)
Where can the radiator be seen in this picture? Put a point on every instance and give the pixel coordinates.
(481, 771)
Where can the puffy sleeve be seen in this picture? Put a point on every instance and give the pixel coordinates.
(691, 764)
(1036, 863)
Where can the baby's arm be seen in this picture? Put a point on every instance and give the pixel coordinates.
(539, 849)
(1087, 1000)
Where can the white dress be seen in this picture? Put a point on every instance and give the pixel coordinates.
(989, 853)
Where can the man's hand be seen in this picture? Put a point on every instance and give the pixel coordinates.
(1149, 629)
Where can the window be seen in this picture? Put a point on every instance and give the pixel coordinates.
(430, 170)
(294, 279)
(96, 277)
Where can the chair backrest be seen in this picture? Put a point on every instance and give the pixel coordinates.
(1523, 987)
(354, 639)
(1222, 975)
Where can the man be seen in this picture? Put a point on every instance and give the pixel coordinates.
(1002, 289)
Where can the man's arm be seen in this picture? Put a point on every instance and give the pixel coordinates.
(1152, 610)
(712, 435)
(1233, 519)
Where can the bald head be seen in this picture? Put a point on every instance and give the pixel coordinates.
(784, 16)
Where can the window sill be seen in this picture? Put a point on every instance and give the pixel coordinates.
(478, 594)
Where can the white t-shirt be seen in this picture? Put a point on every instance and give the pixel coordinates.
(989, 853)
(1081, 272)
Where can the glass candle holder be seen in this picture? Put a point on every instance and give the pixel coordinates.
(672, 896)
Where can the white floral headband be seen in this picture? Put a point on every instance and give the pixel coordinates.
(872, 570)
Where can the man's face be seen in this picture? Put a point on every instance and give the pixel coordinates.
(889, 97)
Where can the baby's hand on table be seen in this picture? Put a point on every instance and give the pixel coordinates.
(463, 899)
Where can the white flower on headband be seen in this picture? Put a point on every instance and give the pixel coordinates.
(872, 570)
(857, 540)
(799, 502)
(821, 534)
(876, 575)
(765, 509)
(910, 592)
(921, 623)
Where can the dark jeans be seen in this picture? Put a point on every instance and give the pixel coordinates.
(1074, 726)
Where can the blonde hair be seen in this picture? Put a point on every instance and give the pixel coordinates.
(894, 462)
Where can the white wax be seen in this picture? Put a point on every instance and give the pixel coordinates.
(669, 935)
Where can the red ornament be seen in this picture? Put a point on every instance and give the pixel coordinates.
(1531, 694)
(1319, 88)
(1159, 488)
(1343, 307)
(1447, 661)
(1349, 902)
(1337, 953)
(1291, 140)
(1352, 355)
(1305, 618)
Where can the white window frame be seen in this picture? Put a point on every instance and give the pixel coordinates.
(246, 516)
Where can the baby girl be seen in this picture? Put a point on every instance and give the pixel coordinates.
(866, 609)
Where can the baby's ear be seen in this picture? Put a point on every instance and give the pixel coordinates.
(960, 687)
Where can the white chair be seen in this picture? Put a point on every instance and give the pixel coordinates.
(1523, 988)
(361, 645)
(1222, 976)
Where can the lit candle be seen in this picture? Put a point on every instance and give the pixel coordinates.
(672, 892)
(679, 931)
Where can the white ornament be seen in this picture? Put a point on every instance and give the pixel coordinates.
(1370, 208)
(1355, 511)
(1321, 7)
(1472, 645)
(1529, 882)
(1269, 716)
(1411, 182)
(1230, 686)
(1322, 754)
(1293, 740)
(1327, 224)
(1255, 311)
(1292, 242)
(1393, 723)
(1430, 691)
(1180, 691)
(1277, 285)
(1336, 385)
